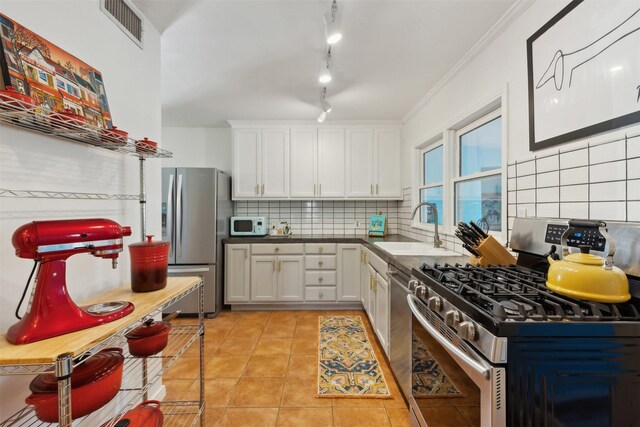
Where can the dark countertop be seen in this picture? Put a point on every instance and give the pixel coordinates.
(402, 263)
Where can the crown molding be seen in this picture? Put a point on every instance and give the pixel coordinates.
(327, 123)
(498, 28)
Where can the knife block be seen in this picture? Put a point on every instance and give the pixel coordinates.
(492, 252)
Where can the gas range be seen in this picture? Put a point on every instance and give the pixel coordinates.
(503, 336)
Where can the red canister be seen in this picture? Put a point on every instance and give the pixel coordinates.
(149, 265)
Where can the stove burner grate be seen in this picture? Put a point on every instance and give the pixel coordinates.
(518, 293)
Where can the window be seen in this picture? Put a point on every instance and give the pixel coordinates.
(432, 181)
(478, 181)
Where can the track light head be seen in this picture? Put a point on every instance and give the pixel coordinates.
(331, 28)
(322, 117)
(325, 72)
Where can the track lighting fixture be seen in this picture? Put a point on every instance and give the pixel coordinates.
(331, 28)
(326, 107)
(325, 72)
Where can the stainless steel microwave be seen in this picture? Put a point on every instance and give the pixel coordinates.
(249, 226)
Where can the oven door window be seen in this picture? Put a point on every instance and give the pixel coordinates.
(243, 225)
(444, 393)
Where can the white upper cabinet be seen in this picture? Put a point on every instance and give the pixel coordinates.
(309, 162)
(331, 163)
(246, 163)
(360, 170)
(304, 162)
(275, 163)
(388, 163)
(261, 163)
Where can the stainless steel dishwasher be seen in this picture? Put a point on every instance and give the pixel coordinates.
(400, 329)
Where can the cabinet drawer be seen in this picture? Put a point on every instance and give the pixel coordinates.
(320, 262)
(320, 293)
(320, 277)
(320, 248)
(277, 249)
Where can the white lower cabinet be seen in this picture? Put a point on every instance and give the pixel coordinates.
(382, 311)
(237, 273)
(348, 272)
(290, 277)
(263, 278)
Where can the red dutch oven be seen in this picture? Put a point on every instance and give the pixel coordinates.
(146, 146)
(15, 99)
(114, 136)
(149, 265)
(146, 414)
(149, 338)
(93, 384)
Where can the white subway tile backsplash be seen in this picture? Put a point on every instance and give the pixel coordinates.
(545, 195)
(526, 168)
(548, 179)
(548, 210)
(607, 152)
(633, 190)
(511, 170)
(574, 210)
(608, 172)
(547, 164)
(633, 168)
(511, 184)
(526, 196)
(608, 191)
(574, 193)
(633, 211)
(574, 176)
(574, 158)
(526, 182)
(614, 211)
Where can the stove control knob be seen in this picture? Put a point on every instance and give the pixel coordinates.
(413, 283)
(434, 303)
(467, 330)
(420, 291)
(452, 318)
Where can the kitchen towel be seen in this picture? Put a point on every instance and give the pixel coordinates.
(347, 366)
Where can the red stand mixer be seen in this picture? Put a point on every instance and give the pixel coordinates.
(51, 311)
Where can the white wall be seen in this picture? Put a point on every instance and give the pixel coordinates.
(32, 161)
(500, 66)
(198, 147)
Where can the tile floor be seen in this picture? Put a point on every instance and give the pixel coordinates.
(260, 370)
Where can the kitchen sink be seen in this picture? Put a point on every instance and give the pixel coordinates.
(414, 249)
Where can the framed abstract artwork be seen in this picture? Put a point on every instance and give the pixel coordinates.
(584, 72)
(55, 79)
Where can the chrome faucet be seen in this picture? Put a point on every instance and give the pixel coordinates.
(436, 237)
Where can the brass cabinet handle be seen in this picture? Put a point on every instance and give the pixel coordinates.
(279, 266)
(361, 257)
(321, 295)
(319, 189)
(320, 279)
(371, 189)
(376, 189)
(262, 190)
(320, 249)
(320, 263)
(257, 189)
(277, 249)
(245, 252)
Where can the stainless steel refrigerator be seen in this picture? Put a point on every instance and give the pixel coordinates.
(196, 207)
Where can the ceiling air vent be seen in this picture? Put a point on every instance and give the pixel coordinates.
(126, 17)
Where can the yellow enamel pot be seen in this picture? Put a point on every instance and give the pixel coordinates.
(586, 276)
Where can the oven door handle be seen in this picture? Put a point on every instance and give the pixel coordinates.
(479, 366)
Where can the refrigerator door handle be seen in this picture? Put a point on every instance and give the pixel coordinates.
(188, 270)
(179, 216)
(169, 220)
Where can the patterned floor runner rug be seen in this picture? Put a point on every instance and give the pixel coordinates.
(347, 366)
(428, 377)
